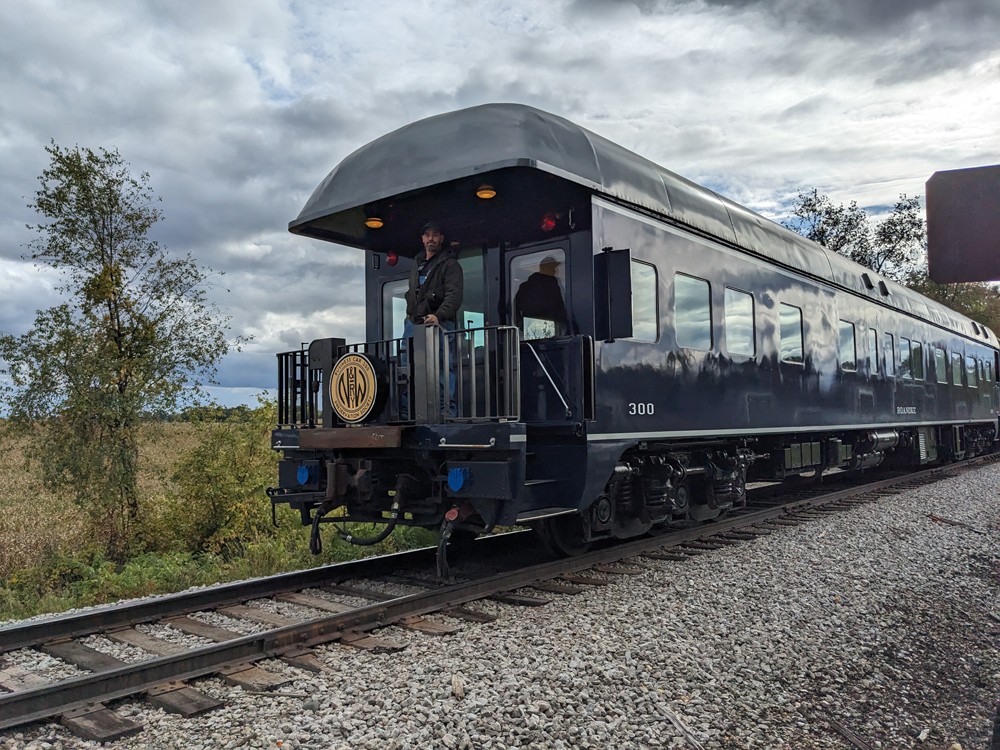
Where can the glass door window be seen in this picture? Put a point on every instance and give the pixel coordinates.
(470, 315)
(538, 294)
(394, 308)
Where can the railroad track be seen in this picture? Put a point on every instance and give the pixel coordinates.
(164, 677)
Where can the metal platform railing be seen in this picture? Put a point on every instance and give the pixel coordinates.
(433, 377)
(298, 390)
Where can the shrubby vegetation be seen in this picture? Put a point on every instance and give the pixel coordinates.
(205, 516)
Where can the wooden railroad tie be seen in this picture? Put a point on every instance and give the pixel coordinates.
(371, 643)
(706, 546)
(558, 588)
(520, 600)
(179, 698)
(584, 580)
(262, 616)
(191, 626)
(672, 556)
(99, 724)
(253, 678)
(619, 570)
(720, 541)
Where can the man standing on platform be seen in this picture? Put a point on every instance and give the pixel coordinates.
(435, 295)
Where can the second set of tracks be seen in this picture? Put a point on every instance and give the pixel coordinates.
(80, 701)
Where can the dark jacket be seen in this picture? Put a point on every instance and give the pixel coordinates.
(441, 292)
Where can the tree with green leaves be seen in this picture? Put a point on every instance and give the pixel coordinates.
(895, 247)
(135, 334)
(889, 247)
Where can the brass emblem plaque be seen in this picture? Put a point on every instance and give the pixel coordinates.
(353, 388)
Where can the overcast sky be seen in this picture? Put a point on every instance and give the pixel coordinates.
(239, 109)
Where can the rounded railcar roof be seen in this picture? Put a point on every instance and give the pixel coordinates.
(489, 137)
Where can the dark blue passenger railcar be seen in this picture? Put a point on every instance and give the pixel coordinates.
(631, 349)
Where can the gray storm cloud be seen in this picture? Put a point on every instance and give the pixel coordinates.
(238, 110)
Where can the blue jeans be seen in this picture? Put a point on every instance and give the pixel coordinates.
(448, 325)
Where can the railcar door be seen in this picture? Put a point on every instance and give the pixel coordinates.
(470, 315)
(554, 383)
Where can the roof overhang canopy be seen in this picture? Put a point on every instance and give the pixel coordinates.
(540, 162)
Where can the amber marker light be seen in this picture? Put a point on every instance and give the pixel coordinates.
(486, 192)
(374, 223)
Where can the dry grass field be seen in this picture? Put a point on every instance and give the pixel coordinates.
(212, 525)
(34, 524)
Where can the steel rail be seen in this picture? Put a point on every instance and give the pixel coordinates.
(125, 614)
(40, 703)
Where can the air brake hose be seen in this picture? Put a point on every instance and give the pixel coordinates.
(443, 569)
(315, 541)
(381, 536)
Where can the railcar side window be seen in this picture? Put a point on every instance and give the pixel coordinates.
(940, 365)
(970, 372)
(645, 313)
(739, 324)
(904, 358)
(790, 319)
(692, 312)
(988, 368)
(538, 294)
(394, 308)
(872, 351)
(890, 356)
(956, 368)
(848, 355)
(917, 357)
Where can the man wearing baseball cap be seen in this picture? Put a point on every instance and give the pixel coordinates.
(436, 282)
(435, 294)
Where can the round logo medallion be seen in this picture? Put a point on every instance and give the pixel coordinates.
(353, 387)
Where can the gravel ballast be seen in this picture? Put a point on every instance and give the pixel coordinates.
(878, 621)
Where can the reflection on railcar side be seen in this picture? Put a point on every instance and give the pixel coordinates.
(848, 356)
(692, 312)
(790, 319)
(739, 323)
(645, 314)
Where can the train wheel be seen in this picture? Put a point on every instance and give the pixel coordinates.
(563, 535)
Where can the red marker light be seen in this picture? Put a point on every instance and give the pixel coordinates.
(391, 258)
(549, 222)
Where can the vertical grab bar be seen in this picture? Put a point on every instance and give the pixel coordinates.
(474, 396)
